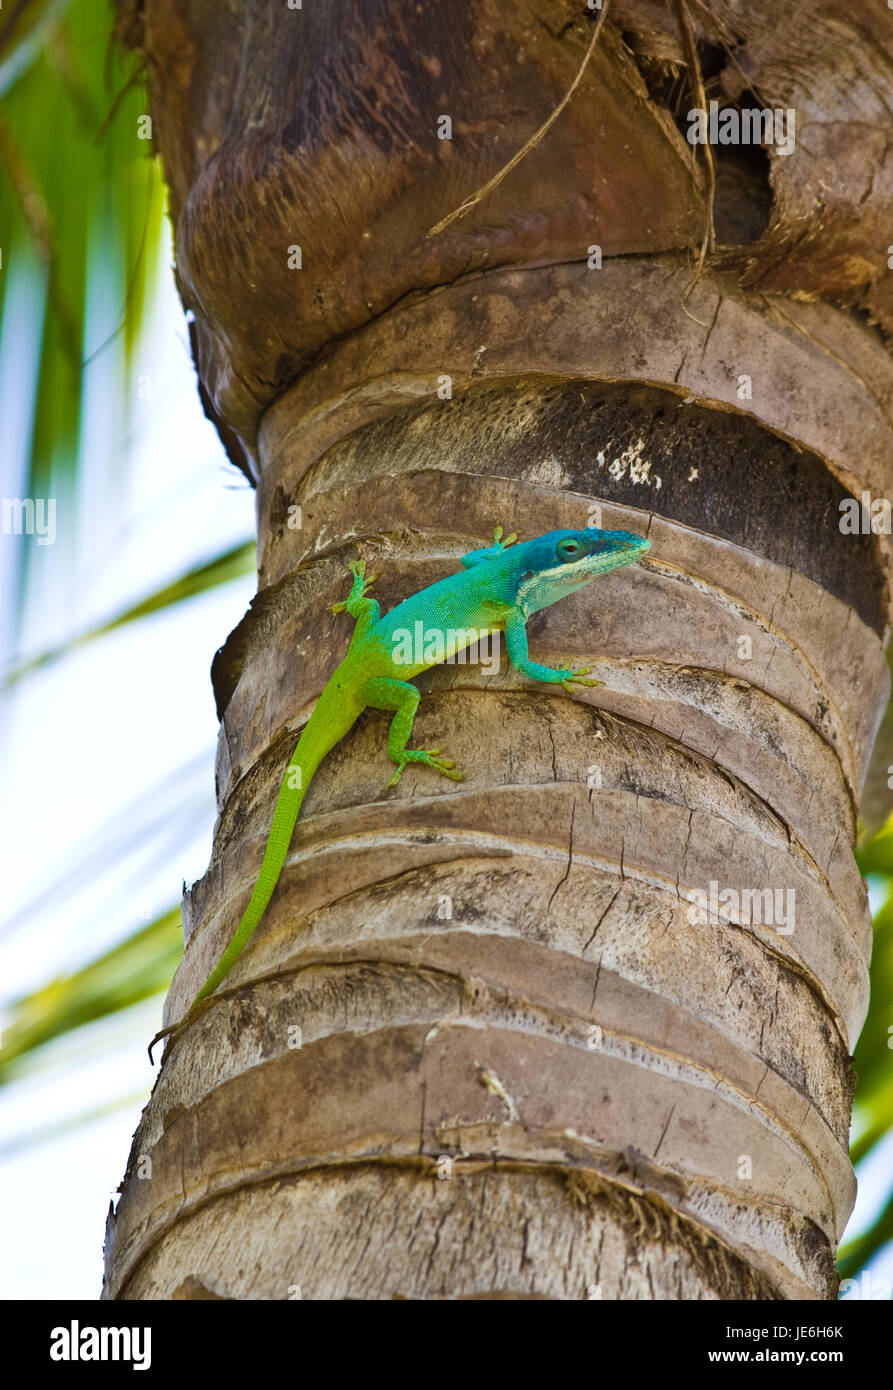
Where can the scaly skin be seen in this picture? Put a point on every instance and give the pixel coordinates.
(496, 591)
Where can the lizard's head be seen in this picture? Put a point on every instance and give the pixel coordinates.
(561, 561)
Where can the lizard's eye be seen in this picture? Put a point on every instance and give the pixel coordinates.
(569, 550)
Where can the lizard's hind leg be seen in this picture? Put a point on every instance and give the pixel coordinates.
(384, 693)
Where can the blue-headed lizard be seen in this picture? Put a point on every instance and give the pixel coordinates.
(497, 589)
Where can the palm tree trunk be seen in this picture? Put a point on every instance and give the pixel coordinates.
(487, 1042)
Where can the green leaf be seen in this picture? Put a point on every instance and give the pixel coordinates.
(140, 966)
(81, 216)
(231, 564)
(855, 1254)
(873, 1059)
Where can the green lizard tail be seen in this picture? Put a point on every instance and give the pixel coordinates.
(334, 714)
(325, 728)
(288, 806)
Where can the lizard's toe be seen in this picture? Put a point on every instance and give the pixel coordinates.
(579, 677)
(164, 1033)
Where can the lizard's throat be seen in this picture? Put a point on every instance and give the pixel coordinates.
(548, 586)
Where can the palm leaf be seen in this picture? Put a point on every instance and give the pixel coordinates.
(80, 225)
(855, 1254)
(872, 1057)
(231, 564)
(136, 968)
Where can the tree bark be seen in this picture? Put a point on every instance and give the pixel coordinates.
(482, 1044)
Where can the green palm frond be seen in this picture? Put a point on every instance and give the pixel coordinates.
(22, 30)
(873, 1057)
(855, 1254)
(80, 223)
(136, 968)
(238, 560)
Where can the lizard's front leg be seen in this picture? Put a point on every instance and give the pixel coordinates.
(489, 552)
(518, 653)
(365, 611)
(382, 692)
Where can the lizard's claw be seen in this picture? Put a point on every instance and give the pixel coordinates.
(509, 540)
(579, 677)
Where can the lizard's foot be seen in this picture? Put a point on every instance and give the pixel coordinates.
(431, 758)
(170, 1032)
(173, 1031)
(578, 677)
(360, 588)
(509, 540)
(360, 579)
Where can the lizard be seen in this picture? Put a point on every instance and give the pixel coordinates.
(496, 590)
